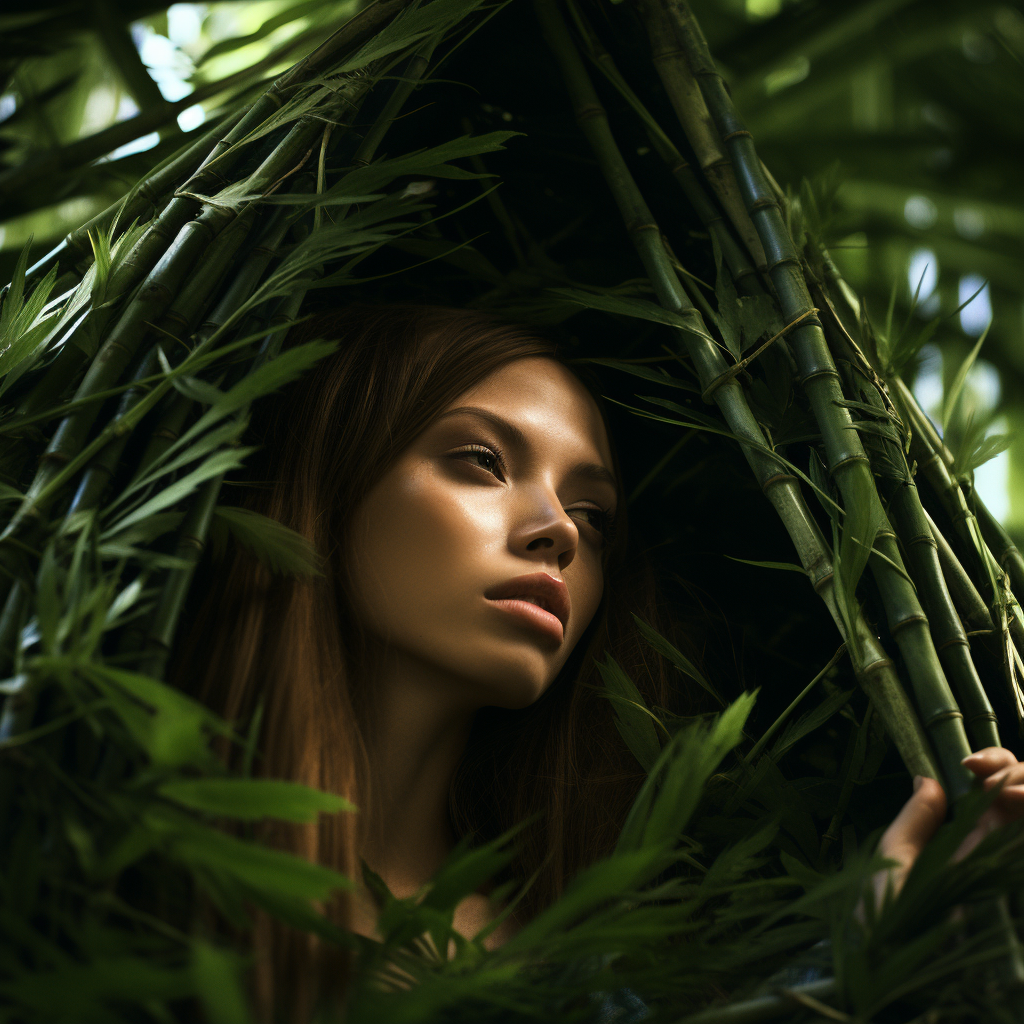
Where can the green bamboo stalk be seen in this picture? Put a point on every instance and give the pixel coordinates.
(743, 272)
(685, 95)
(977, 616)
(147, 305)
(138, 205)
(984, 572)
(990, 530)
(195, 527)
(1000, 543)
(350, 36)
(238, 291)
(847, 460)
(872, 665)
(177, 324)
(947, 631)
(919, 548)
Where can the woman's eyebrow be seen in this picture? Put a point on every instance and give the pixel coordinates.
(586, 470)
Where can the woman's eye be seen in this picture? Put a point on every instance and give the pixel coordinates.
(478, 455)
(597, 518)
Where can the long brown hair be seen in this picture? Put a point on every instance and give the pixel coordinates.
(290, 645)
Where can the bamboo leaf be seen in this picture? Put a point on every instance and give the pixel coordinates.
(254, 799)
(278, 547)
(636, 724)
(957, 387)
(675, 656)
(641, 309)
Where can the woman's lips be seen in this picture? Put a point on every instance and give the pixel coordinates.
(532, 614)
(536, 599)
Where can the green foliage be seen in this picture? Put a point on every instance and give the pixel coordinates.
(125, 836)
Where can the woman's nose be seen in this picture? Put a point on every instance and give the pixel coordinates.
(546, 533)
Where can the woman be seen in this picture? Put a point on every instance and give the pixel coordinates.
(459, 484)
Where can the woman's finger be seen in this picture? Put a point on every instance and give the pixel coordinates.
(1012, 776)
(909, 832)
(988, 761)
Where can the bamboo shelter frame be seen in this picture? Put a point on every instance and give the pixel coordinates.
(170, 315)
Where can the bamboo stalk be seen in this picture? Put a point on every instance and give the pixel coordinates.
(847, 460)
(137, 206)
(1000, 544)
(193, 532)
(873, 667)
(947, 631)
(743, 272)
(919, 548)
(685, 96)
(153, 297)
(350, 36)
(177, 323)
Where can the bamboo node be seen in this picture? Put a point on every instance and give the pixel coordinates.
(824, 372)
(762, 204)
(590, 110)
(942, 716)
(849, 459)
(956, 641)
(777, 478)
(738, 368)
(822, 582)
(739, 133)
(795, 260)
(910, 620)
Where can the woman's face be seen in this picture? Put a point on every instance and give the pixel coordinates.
(478, 556)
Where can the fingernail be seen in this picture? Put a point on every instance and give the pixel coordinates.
(969, 757)
(918, 782)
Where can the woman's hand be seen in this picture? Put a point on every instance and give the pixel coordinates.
(922, 814)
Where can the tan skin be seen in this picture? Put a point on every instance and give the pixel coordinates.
(513, 480)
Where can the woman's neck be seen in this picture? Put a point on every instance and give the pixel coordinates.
(419, 736)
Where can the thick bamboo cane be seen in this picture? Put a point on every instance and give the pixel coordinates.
(873, 667)
(847, 460)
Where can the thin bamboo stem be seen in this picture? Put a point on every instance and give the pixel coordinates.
(711, 216)
(847, 460)
(177, 323)
(350, 36)
(873, 667)
(947, 631)
(139, 205)
(148, 304)
(685, 96)
(193, 532)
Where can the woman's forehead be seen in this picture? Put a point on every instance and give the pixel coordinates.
(546, 401)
